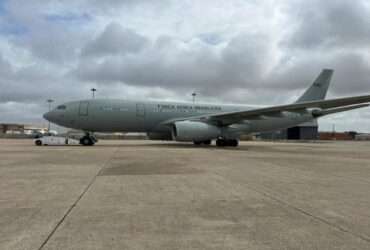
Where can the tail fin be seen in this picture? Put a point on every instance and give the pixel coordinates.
(319, 88)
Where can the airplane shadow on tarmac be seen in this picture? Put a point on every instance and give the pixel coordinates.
(154, 145)
(175, 146)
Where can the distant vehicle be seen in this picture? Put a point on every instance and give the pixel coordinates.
(38, 134)
(199, 123)
(55, 140)
(51, 133)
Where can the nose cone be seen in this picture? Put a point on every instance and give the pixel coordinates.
(48, 116)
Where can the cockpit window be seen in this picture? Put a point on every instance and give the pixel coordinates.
(61, 107)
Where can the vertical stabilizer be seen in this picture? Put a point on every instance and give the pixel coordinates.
(319, 88)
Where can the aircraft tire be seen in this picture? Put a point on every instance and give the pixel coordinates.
(227, 143)
(86, 141)
(208, 142)
(221, 143)
(234, 143)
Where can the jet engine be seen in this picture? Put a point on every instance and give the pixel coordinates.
(195, 131)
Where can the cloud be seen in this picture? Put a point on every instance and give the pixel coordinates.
(176, 64)
(6, 68)
(329, 24)
(13, 112)
(259, 52)
(114, 5)
(45, 29)
(115, 40)
(32, 85)
(352, 73)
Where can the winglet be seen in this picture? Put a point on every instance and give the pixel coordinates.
(319, 88)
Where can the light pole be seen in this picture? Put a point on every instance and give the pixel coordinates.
(194, 95)
(93, 92)
(49, 101)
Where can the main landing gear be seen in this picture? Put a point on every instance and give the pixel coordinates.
(207, 142)
(227, 142)
(219, 142)
(88, 140)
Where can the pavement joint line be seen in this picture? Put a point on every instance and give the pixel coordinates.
(315, 217)
(302, 211)
(74, 204)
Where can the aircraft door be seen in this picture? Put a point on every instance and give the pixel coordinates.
(84, 108)
(140, 110)
(140, 115)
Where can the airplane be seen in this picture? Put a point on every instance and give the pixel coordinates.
(199, 123)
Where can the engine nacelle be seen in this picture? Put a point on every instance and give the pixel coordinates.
(195, 131)
(163, 136)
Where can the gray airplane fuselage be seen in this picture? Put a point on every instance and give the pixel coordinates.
(114, 115)
(200, 123)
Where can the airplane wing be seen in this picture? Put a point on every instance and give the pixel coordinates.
(324, 107)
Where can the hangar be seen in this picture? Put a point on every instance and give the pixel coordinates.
(11, 128)
(16, 128)
(305, 131)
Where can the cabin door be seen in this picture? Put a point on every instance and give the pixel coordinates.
(83, 109)
(140, 115)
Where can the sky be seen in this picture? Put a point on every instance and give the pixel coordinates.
(262, 52)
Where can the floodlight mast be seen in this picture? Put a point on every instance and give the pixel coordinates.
(49, 101)
(194, 95)
(93, 90)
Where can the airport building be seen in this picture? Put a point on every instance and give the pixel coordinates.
(20, 129)
(305, 131)
(341, 136)
(10, 128)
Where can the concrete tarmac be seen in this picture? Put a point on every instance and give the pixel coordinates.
(164, 195)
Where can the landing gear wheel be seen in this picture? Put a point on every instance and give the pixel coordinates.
(208, 142)
(233, 143)
(229, 143)
(87, 141)
(220, 143)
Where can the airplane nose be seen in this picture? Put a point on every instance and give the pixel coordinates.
(47, 116)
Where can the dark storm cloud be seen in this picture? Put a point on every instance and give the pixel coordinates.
(175, 64)
(329, 23)
(115, 40)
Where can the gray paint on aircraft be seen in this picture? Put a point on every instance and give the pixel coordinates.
(114, 115)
